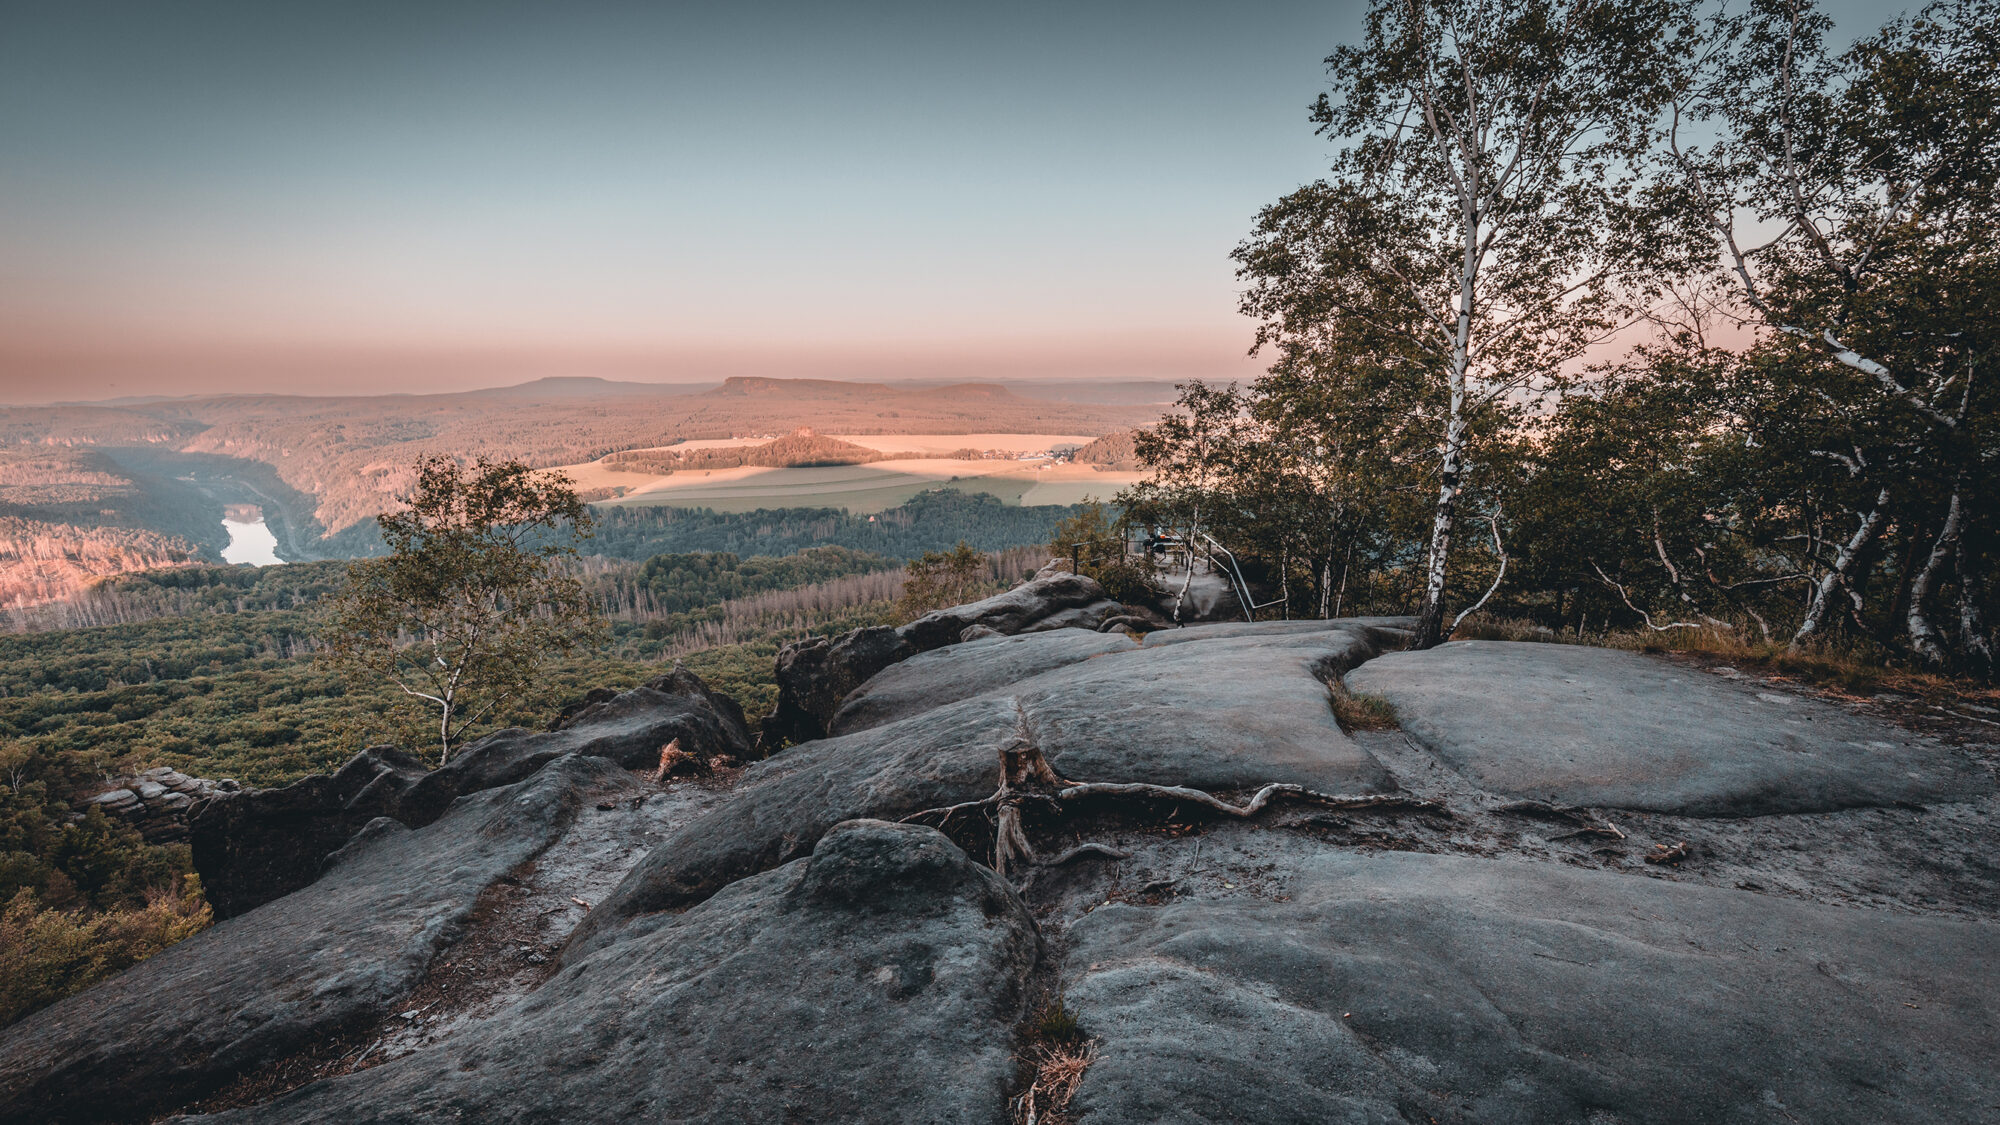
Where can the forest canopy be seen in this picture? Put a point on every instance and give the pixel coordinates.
(1641, 316)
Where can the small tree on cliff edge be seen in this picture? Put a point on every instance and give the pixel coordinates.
(468, 603)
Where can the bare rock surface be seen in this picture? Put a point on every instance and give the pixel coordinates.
(1395, 986)
(1229, 712)
(1603, 728)
(784, 804)
(1237, 711)
(261, 985)
(1778, 923)
(961, 671)
(877, 981)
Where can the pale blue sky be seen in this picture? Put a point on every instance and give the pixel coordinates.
(362, 196)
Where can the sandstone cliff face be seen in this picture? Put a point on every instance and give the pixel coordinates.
(1577, 886)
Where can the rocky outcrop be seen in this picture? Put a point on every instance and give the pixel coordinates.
(783, 805)
(629, 728)
(878, 980)
(1055, 601)
(1234, 710)
(157, 801)
(260, 986)
(1253, 913)
(254, 846)
(816, 674)
(1602, 728)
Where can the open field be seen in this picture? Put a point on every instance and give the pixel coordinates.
(860, 488)
(863, 488)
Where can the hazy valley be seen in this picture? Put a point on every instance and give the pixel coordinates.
(93, 490)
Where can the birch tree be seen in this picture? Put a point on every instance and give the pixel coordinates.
(469, 602)
(1853, 202)
(1480, 207)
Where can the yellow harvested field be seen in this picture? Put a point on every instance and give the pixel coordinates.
(866, 488)
(947, 443)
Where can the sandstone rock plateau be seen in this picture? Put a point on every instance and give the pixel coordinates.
(1577, 886)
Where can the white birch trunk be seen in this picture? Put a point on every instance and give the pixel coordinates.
(1924, 635)
(1839, 574)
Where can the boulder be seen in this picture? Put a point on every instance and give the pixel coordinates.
(878, 980)
(1210, 597)
(816, 674)
(254, 846)
(260, 986)
(1048, 602)
(783, 805)
(1396, 986)
(1604, 728)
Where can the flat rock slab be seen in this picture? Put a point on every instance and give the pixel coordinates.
(1384, 632)
(1230, 712)
(1608, 729)
(877, 981)
(961, 671)
(266, 983)
(1399, 986)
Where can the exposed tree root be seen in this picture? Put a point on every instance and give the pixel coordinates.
(1026, 778)
(1257, 803)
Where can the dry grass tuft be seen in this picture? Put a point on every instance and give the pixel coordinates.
(1058, 1071)
(1851, 666)
(1359, 710)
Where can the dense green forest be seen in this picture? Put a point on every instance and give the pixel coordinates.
(213, 670)
(931, 521)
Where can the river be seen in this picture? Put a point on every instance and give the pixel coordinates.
(250, 541)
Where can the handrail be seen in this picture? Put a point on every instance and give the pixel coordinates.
(1242, 586)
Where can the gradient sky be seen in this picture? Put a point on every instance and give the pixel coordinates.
(355, 196)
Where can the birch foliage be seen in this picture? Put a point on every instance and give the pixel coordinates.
(469, 603)
(1480, 215)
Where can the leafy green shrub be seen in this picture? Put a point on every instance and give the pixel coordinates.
(940, 579)
(1094, 541)
(47, 953)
